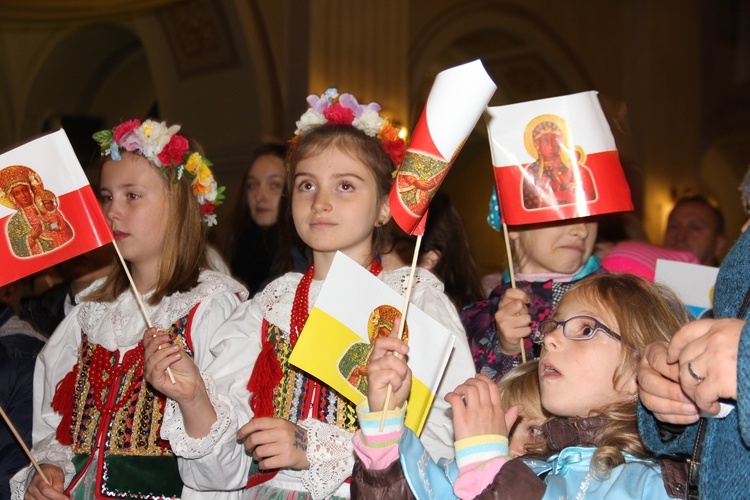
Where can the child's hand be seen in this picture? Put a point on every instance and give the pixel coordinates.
(275, 443)
(385, 368)
(659, 388)
(159, 353)
(477, 409)
(513, 320)
(38, 489)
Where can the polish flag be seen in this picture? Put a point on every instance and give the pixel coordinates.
(457, 100)
(48, 212)
(555, 159)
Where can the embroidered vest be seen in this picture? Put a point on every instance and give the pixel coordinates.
(293, 396)
(116, 417)
(297, 393)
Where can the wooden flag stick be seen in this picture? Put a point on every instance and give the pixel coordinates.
(138, 299)
(402, 323)
(23, 445)
(512, 279)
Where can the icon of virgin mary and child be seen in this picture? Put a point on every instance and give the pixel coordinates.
(559, 175)
(38, 226)
(353, 364)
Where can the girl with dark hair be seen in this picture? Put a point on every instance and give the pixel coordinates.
(254, 231)
(296, 431)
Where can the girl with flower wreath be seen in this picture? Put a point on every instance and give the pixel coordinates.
(295, 432)
(97, 423)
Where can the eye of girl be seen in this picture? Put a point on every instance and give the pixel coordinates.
(251, 185)
(535, 432)
(305, 185)
(133, 196)
(105, 197)
(346, 186)
(276, 186)
(586, 331)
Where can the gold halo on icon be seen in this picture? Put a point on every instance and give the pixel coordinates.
(528, 133)
(380, 323)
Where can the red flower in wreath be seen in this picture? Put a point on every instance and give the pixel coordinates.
(174, 152)
(393, 145)
(207, 208)
(336, 114)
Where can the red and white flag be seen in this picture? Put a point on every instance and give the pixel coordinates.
(457, 100)
(555, 159)
(48, 212)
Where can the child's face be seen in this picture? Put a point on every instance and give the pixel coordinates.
(558, 247)
(135, 200)
(577, 376)
(335, 204)
(526, 432)
(49, 205)
(264, 186)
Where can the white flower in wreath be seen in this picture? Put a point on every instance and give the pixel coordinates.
(210, 195)
(210, 220)
(309, 120)
(369, 122)
(154, 136)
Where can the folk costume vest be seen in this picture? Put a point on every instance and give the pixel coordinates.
(112, 419)
(281, 390)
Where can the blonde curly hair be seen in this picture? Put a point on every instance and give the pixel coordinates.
(645, 313)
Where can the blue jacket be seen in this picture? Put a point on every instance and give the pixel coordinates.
(17, 356)
(726, 448)
(567, 474)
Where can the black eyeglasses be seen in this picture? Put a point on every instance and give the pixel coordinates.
(575, 328)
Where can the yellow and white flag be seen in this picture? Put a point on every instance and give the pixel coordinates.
(353, 308)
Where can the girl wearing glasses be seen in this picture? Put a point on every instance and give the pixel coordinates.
(591, 348)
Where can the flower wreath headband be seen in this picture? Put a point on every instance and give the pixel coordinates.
(330, 108)
(165, 148)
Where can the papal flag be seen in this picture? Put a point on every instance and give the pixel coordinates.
(352, 310)
(457, 100)
(555, 159)
(48, 212)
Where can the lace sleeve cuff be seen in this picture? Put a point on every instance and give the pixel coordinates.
(331, 455)
(173, 426)
(48, 451)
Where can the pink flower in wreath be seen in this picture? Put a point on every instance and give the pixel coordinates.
(125, 128)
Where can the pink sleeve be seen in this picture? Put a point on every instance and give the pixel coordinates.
(471, 483)
(374, 458)
(375, 447)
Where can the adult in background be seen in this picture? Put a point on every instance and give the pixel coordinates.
(696, 225)
(251, 233)
(706, 368)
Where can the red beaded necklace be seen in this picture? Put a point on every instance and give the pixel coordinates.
(301, 304)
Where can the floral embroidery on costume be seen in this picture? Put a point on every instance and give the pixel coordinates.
(116, 418)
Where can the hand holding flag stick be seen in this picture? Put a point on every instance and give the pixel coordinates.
(457, 100)
(402, 323)
(496, 221)
(138, 299)
(512, 280)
